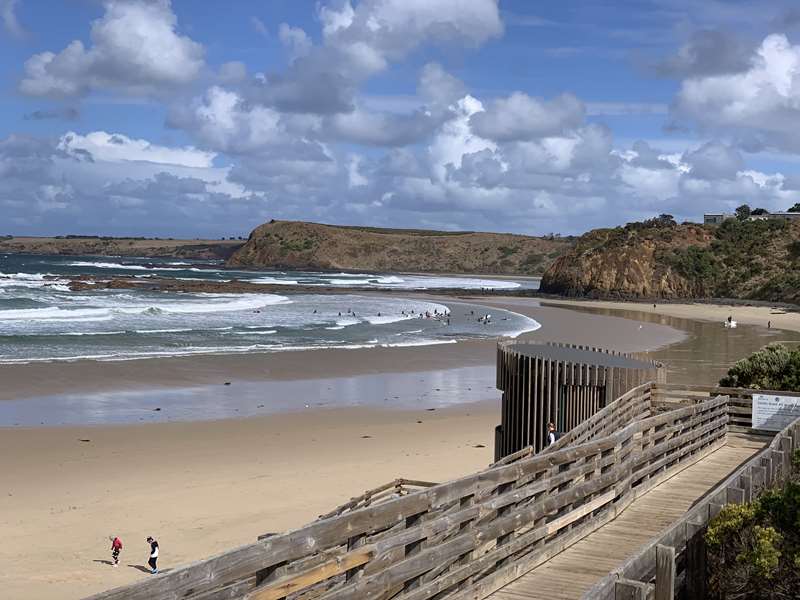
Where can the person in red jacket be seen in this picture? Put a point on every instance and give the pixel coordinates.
(116, 548)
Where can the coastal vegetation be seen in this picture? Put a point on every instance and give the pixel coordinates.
(658, 258)
(301, 245)
(774, 367)
(754, 548)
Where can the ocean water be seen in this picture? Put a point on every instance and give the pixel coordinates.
(42, 320)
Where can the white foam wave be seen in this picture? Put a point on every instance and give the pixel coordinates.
(80, 333)
(347, 322)
(268, 332)
(55, 313)
(349, 281)
(107, 265)
(273, 280)
(176, 330)
(419, 343)
(223, 304)
(385, 319)
(33, 280)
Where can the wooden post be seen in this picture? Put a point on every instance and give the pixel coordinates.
(665, 572)
(625, 589)
(695, 562)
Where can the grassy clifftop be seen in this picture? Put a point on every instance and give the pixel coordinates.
(756, 260)
(301, 245)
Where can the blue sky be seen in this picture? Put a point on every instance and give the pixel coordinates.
(186, 118)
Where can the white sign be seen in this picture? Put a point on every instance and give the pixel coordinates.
(773, 413)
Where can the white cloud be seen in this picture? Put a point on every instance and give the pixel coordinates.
(135, 48)
(714, 161)
(520, 117)
(295, 39)
(362, 40)
(438, 87)
(377, 31)
(120, 148)
(222, 121)
(760, 106)
(354, 176)
(455, 139)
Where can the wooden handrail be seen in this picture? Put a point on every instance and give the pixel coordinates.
(768, 468)
(477, 532)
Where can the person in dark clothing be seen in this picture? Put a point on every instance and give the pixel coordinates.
(153, 555)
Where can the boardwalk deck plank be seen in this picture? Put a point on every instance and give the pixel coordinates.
(569, 574)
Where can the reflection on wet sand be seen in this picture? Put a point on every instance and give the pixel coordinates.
(710, 348)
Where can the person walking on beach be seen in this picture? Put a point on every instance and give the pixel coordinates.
(551, 434)
(116, 548)
(153, 555)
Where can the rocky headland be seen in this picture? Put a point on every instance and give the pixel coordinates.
(298, 245)
(660, 259)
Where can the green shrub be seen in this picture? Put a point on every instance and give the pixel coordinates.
(754, 548)
(774, 367)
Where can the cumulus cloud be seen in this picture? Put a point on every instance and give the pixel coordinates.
(377, 31)
(295, 39)
(439, 88)
(135, 48)
(222, 120)
(110, 183)
(381, 129)
(119, 148)
(707, 52)
(363, 40)
(714, 161)
(759, 106)
(520, 117)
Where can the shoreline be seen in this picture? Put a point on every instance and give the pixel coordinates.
(26, 380)
(785, 318)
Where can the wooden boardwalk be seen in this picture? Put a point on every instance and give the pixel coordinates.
(568, 575)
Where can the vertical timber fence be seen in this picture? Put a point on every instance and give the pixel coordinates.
(468, 537)
(559, 383)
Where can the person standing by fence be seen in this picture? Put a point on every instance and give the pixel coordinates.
(551, 434)
(153, 561)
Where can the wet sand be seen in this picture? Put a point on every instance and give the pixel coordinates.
(709, 348)
(203, 487)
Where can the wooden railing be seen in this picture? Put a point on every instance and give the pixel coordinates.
(631, 406)
(653, 398)
(467, 537)
(675, 561)
(666, 396)
(382, 493)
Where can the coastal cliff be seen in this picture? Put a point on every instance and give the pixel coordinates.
(301, 245)
(750, 260)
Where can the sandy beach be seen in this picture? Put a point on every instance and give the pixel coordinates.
(206, 486)
(203, 487)
(779, 318)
